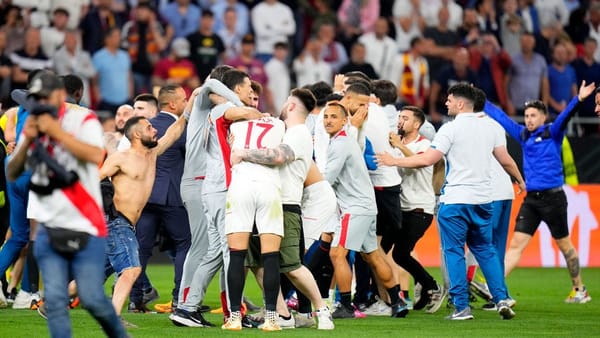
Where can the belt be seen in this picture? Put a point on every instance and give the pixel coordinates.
(544, 192)
(418, 211)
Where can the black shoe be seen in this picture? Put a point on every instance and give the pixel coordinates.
(181, 317)
(400, 309)
(343, 312)
(150, 296)
(10, 297)
(203, 308)
(248, 323)
(141, 308)
(423, 300)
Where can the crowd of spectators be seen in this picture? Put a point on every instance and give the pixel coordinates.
(516, 50)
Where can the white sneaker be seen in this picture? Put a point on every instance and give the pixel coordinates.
(304, 320)
(289, 323)
(325, 321)
(3, 302)
(379, 308)
(24, 299)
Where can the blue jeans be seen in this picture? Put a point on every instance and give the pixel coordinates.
(470, 224)
(500, 222)
(122, 249)
(18, 195)
(87, 268)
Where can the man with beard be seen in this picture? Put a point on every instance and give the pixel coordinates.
(132, 173)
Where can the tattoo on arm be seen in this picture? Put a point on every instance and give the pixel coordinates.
(270, 156)
(572, 262)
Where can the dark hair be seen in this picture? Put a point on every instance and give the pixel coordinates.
(320, 90)
(417, 113)
(479, 102)
(218, 71)
(256, 87)
(338, 105)
(537, 104)
(281, 44)
(233, 77)
(146, 97)
(349, 81)
(385, 91)
(357, 74)
(230, 9)
(463, 90)
(414, 41)
(72, 84)
(166, 90)
(333, 97)
(358, 88)
(306, 97)
(207, 12)
(109, 32)
(127, 130)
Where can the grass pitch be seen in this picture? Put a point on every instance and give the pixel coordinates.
(541, 312)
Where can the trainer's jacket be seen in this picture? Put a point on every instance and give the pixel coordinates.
(542, 163)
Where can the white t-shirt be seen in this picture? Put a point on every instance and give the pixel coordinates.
(266, 132)
(294, 174)
(78, 207)
(467, 142)
(320, 143)
(417, 190)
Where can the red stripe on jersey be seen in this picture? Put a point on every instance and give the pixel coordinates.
(222, 127)
(344, 232)
(90, 116)
(87, 206)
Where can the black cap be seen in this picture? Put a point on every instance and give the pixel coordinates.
(43, 84)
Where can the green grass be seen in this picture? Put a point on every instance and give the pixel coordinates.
(541, 312)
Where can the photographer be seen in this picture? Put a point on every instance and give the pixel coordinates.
(62, 145)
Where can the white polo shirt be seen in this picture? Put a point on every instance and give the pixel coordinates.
(467, 142)
(294, 174)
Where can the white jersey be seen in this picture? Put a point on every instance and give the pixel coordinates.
(467, 142)
(294, 174)
(266, 132)
(78, 207)
(320, 143)
(417, 190)
(376, 129)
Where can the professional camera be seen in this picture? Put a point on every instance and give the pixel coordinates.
(47, 173)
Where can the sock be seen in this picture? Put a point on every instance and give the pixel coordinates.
(405, 294)
(346, 299)
(234, 281)
(304, 305)
(471, 272)
(271, 279)
(286, 318)
(394, 294)
(32, 269)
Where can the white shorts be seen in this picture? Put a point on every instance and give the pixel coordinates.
(253, 201)
(319, 211)
(357, 233)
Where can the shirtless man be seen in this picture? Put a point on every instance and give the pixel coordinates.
(132, 172)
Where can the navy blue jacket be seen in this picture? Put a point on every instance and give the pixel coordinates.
(169, 166)
(542, 148)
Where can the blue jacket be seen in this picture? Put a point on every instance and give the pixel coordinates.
(542, 160)
(169, 166)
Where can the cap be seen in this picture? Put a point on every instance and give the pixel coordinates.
(181, 47)
(61, 10)
(427, 130)
(43, 84)
(248, 38)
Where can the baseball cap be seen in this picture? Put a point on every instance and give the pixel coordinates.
(43, 84)
(181, 47)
